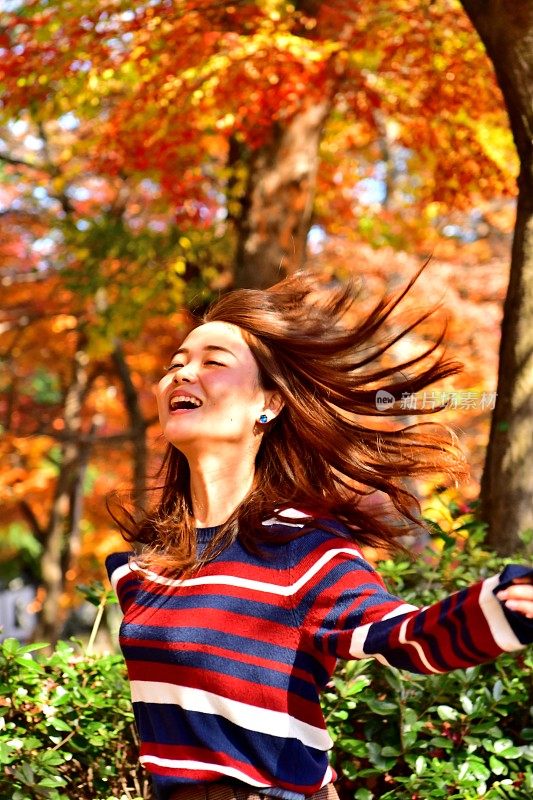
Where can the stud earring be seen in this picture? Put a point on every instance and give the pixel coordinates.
(263, 419)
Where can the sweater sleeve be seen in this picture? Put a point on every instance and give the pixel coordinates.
(348, 613)
(123, 579)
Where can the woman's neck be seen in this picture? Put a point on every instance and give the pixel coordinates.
(219, 483)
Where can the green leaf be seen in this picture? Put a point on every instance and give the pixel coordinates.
(52, 758)
(389, 751)
(498, 767)
(59, 724)
(95, 593)
(409, 738)
(28, 663)
(29, 648)
(393, 678)
(482, 727)
(420, 765)
(479, 770)
(501, 745)
(363, 794)
(10, 646)
(410, 718)
(447, 713)
(497, 690)
(357, 686)
(367, 772)
(52, 782)
(26, 773)
(467, 704)
(510, 752)
(356, 747)
(382, 707)
(6, 756)
(375, 755)
(464, 769)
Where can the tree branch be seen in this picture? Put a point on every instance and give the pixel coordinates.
(137, 421)
(19, 162)
(31, 519)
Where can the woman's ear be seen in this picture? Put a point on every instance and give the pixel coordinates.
(274, 404)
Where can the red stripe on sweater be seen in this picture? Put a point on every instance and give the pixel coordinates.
(245, 658)
(232, 688)
(221, 621)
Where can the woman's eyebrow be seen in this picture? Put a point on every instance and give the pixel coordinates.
(209, 347)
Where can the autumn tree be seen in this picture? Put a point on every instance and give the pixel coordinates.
(59, 342)
(224, 107)
(507, 484)
(74, 422)
(154, 154)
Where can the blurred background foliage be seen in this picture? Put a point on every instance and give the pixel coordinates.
(154, 154)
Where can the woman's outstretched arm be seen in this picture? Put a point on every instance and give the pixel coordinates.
(348, 613)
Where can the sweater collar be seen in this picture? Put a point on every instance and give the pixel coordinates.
(204, 535)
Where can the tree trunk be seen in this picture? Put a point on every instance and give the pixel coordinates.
(506, 30)
(61, 515)
(138, 426)
(73, 544)
(278, 203)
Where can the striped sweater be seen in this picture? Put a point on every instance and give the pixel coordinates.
(226, 667)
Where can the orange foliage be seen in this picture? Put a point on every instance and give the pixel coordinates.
(157, 80)
(114, 214)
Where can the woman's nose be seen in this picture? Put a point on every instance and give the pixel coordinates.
(184, 375)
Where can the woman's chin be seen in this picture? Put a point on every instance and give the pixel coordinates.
(201, 441)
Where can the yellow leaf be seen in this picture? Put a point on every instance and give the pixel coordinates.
(179, 266)
(138, 52)
(64, 322)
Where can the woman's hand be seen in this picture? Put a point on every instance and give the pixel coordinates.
(519, 597)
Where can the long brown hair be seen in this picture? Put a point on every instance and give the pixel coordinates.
(316, 455)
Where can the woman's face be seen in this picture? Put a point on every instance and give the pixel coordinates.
(211, 391)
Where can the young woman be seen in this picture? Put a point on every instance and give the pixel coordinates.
(249, 583)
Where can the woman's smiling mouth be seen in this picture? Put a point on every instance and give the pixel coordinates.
(181, 401)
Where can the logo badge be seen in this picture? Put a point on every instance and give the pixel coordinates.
(384, 400)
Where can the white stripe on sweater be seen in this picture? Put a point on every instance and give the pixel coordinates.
(501, 631)
(357, 645)
(118, 574)
(253, 585)
(418, 647)
(328, 777)
(180, 763)
(254, 718)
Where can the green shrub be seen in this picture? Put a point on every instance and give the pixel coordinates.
(66, 724)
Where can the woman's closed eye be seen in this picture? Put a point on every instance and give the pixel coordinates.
(179, 365)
